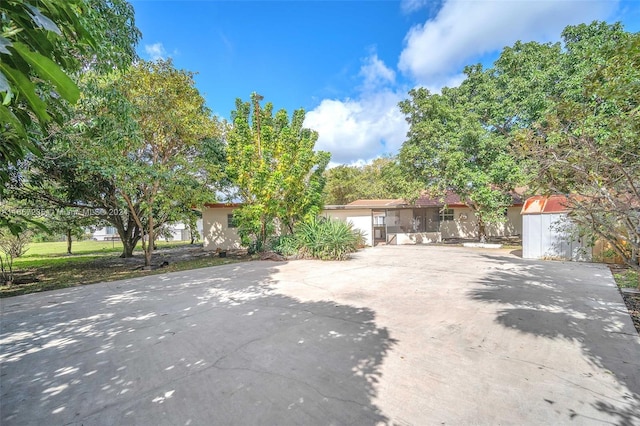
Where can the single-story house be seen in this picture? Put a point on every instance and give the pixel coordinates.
(392, 221)
(428, 219)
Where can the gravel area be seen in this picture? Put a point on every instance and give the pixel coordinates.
(633, 304)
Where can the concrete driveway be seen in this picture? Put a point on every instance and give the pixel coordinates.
(398, 335)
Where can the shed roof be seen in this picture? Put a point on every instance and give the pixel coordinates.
(542, 204)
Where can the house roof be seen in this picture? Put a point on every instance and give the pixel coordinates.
(541, 204)
(378, 203)
(450, 199)
(222, 205)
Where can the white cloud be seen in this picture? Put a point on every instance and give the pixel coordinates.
(449, 81)
(464, 30)
(371, 124)
(360, 129)
(409, 6)
(155, 51)
(376, 74)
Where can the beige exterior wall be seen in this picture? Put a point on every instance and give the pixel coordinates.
(513, 225)
(217, 234)
(360, 218)
(215, 231)
(463, 224)
(468, 228)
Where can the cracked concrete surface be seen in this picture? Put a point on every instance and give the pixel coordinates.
(407, 335)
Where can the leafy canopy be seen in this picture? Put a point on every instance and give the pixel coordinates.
(272, 162)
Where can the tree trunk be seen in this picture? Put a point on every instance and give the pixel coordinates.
(482, 231)
(69, 241)
(129, 239)
(128, 245)
(129, 234)
(148, 253)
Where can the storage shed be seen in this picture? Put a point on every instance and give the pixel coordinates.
(547, 231)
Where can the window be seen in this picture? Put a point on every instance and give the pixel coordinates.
(446, 214)
(231, 221)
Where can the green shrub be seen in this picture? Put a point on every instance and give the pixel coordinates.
(320, 238)
(286, 245)
(327, 239)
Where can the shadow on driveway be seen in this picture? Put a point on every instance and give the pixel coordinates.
(212, 346)
(558, 300)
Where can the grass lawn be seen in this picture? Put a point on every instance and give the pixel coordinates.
(625, 277)
(46, 266)
(59, 248)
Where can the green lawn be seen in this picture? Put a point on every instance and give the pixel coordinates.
(59, 248)
(46, 266)
(627, 279)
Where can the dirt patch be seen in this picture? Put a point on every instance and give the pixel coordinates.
(167, 257)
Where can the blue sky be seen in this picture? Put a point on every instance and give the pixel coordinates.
(348, 63)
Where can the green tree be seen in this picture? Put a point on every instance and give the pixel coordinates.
(569, 113)
(77, 168)
(588, 145)
(278, 175)
(469, 139)
(382, 178)
(139, 151)
(43, 45)
(159, 171)
(343, 185)
(448, 148)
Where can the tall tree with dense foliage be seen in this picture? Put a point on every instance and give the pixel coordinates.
(157, 170)
(139, 151)
(76, 168)
(278, 175)
(477, 139)
(449, 149)
(43, 46)
(588, 145)
(569, 113)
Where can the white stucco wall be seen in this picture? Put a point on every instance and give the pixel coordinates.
(216, 233)
(512, 226)
(360, 218)
(459, 227)
(414, 238)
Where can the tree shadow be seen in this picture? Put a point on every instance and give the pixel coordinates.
(577, 302)
(212, 346)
